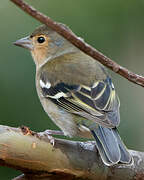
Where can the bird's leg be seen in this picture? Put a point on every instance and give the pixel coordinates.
(54, 132)
(50, 133)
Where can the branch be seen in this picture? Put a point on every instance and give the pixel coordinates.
(79, 43)
(40, 156)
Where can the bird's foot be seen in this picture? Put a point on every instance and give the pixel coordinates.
(54, 132)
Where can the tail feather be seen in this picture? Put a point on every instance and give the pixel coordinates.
(125, 155)
(102, 151)
(110, 146)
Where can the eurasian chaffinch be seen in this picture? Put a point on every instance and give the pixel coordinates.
(76, 92)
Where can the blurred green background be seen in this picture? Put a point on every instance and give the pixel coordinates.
(116, 28)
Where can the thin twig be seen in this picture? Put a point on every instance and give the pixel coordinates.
(79, 43)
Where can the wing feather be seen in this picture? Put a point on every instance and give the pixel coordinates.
(98, 103)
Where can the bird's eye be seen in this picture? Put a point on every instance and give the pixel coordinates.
(41, 39)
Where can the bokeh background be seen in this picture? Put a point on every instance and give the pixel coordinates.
(116, 28)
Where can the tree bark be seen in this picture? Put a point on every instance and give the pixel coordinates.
(40, 156)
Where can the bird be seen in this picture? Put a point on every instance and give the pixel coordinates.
(76, 92)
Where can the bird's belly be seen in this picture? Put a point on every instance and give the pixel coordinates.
(61, 118)
(64, 120)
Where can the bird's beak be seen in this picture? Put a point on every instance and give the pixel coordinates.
(25, 43)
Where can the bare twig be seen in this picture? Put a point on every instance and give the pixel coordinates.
(79, 43)
(40, 156)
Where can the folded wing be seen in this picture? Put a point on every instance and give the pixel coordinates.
(98, 102)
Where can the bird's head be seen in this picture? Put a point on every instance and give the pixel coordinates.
(44, 44)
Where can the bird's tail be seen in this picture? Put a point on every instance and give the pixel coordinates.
(110, 146)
